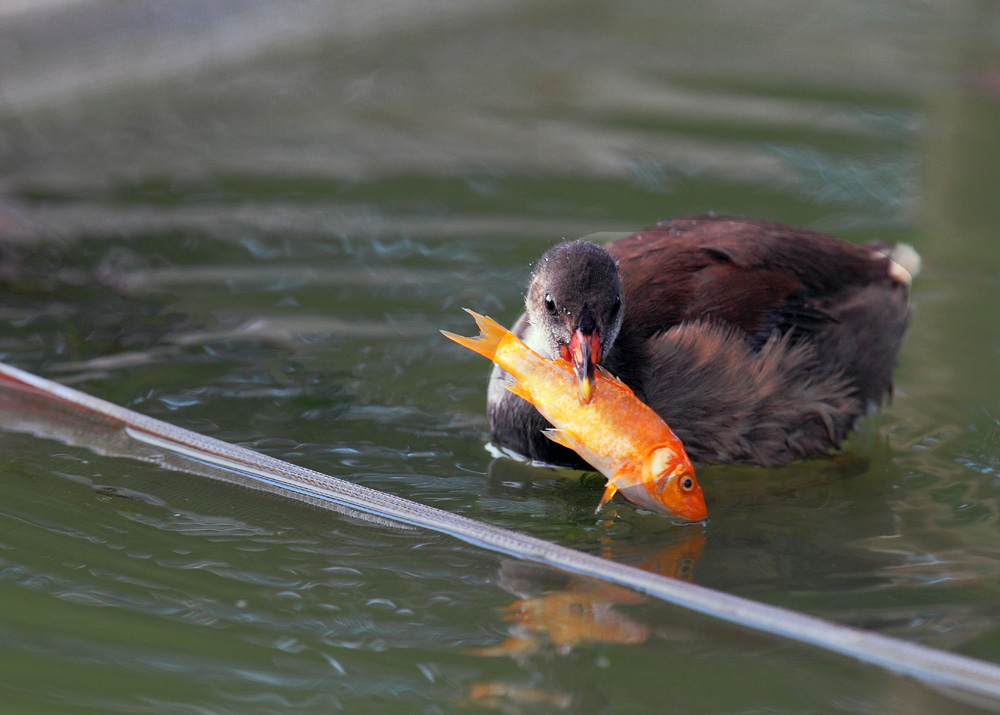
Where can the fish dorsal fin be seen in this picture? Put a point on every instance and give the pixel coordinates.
(520, 390)
(608, 376)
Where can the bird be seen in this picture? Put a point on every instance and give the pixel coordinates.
(755, 341)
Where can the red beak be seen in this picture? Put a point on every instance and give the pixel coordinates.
(585, 354)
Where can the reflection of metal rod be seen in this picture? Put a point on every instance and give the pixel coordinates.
(965, 678)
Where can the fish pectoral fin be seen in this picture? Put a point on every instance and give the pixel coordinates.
(560, 436)
(519, 390)
(609, 492)
(612, 487)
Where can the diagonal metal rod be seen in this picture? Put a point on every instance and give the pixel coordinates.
(962, 677)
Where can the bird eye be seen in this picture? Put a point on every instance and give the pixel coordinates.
(616, 306)
(550, 305)
(687, 484)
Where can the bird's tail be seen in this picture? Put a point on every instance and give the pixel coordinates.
(906, 258)
(904, 261)
(490, 335)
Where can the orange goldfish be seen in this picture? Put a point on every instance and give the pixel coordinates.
(616, 433)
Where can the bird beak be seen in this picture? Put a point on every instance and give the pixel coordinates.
(585, 353)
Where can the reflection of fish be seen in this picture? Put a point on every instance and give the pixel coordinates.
(678, 559)
(509, 697)
(565, 613)
(582, 613)
(616, 433)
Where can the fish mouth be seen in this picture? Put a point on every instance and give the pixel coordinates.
(690, 510)
(693, 507)
(695, 512)
(585, 354)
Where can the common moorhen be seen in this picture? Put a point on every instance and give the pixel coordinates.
(755, 341)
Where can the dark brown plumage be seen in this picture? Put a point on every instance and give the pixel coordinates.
(755, 341)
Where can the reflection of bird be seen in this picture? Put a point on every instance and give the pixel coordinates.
(754, 341)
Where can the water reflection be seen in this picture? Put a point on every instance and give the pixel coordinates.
(555, 613)
(511, 698)
(559, 612)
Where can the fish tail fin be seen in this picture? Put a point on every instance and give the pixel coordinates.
(490, 335)
(609, 491)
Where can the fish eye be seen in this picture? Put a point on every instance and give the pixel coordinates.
(550, 305)
(687, 484)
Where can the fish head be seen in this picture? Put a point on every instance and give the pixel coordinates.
(669, 485)
(575, 306)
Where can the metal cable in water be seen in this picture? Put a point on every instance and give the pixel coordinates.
(967, 678)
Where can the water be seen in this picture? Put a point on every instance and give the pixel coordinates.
(254, 227)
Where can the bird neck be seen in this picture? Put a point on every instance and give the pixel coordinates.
(535, 340)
